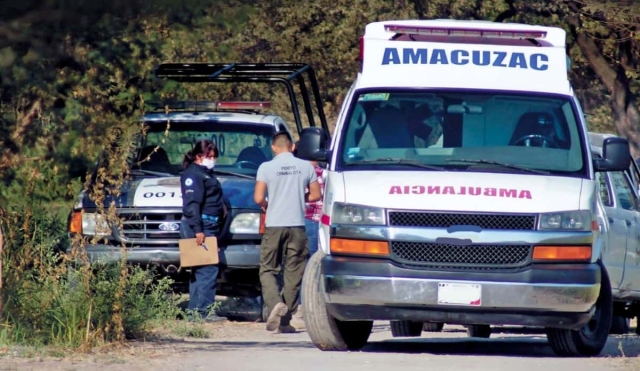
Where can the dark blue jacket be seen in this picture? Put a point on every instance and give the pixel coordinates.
(201, 194)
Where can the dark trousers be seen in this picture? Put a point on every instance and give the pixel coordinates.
(291, 245)
(202, 283)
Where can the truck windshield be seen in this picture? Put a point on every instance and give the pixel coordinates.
(463, 131)
(242, 146)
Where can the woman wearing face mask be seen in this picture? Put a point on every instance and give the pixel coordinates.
(202, 212)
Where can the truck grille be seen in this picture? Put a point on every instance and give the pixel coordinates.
(445, 220)
(462, 257)
(150, 227)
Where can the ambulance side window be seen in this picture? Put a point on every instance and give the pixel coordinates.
(603, 188)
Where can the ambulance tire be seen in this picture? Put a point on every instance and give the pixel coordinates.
(479, 331)
(406, 329)
(620, 325)
(432, 326)
(592, 337)
(326, 332)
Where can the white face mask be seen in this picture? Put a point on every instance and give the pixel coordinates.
(209, 163)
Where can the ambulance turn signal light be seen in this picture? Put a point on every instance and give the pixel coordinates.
(359, 247)
(561, 253)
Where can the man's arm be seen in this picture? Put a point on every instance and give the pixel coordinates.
(259, 194)
(314, 192)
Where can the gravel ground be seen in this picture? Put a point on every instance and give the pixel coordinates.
(247, 346)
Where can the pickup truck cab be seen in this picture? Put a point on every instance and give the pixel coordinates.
(150, 202)
(460, 188)
(619, 221)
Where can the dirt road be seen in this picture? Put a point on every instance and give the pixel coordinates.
(248, 347)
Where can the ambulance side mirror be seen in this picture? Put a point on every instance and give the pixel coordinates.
(616, 155)
(312, 145)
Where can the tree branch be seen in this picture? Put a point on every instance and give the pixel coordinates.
(511, 12)
(592, 53)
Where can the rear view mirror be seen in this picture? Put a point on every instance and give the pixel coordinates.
(312, 145)
(464, 108)
(616, 155)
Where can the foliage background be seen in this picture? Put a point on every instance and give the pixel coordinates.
(72, 70)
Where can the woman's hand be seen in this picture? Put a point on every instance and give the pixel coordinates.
(199, 238)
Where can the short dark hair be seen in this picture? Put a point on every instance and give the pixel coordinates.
(282, 139)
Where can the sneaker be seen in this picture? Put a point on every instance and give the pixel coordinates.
(274, 317)
(297, 320)
(212, 318)
(287, 329)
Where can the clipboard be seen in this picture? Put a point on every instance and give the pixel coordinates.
(192, 255)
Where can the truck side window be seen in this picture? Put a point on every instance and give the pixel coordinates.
(603, 188)
(623, 190)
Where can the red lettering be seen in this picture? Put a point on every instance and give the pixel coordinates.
(490, 191)
(463, 191)
(395, 190)
(417, 190)
(474, 191)
(406, 190)
(508, 192)
(433, 190)
(525, 194)
(448, 190)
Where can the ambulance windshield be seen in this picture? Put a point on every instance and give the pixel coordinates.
(464, 130)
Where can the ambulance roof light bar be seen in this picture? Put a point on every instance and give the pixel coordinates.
(468, 32)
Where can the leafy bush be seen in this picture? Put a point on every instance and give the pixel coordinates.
(46, 303)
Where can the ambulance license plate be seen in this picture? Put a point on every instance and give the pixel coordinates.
(459, 294)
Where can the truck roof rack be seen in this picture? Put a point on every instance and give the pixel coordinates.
(284, 73)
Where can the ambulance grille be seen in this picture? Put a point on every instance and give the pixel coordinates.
(446, 220)
(462, 257)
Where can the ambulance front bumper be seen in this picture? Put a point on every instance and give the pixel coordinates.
(535, 294)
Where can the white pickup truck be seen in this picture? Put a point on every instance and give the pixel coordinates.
(619, 221)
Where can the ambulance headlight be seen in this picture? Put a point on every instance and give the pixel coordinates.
(357, 214)
(94, 224)
(578, 220)
(247, 223)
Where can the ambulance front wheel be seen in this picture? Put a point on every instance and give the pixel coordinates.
(326, 332)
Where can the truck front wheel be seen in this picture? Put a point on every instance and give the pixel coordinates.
(591, 339)
(326, 332)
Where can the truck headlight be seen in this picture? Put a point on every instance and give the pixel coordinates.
(357, 214)
(95, 225)
(578, 220)
(246, 223)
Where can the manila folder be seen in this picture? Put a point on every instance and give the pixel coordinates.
(192, 255)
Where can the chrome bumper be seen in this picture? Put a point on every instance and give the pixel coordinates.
(423, 293)
(240, 256)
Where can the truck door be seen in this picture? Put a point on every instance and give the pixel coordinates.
(627, 215)
(616, 239)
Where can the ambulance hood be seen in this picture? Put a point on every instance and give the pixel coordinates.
(462, 191)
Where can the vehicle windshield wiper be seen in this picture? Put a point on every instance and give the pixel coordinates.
(149, 172)
(397, 161)
(498, 163)
(233, 174)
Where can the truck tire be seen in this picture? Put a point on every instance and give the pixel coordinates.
(406, 329)
(591, 339)
(479, 331)
(432, 326)
(620, 325)
(326, 332)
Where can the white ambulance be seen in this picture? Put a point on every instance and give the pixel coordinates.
(460, 189)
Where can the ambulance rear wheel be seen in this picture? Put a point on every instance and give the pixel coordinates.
(406, 329)
(326, 332)
(432, 327)
(479, 331)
